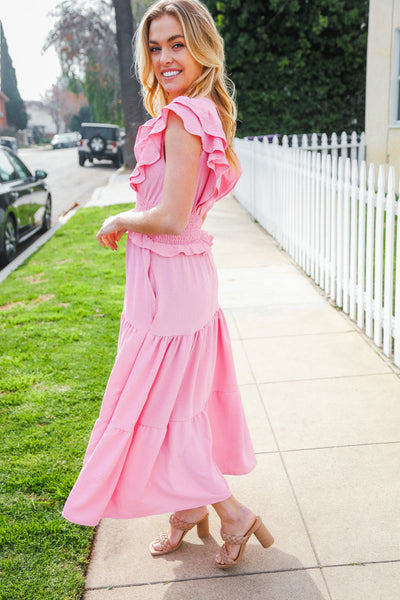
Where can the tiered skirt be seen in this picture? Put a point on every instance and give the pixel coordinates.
(171, 422)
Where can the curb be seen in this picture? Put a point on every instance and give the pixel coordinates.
(17, 262)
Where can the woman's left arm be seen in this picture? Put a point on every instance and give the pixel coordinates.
(182, 154)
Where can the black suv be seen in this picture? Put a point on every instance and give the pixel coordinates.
(101, 141)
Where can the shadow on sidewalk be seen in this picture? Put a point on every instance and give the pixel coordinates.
(125, 572)
(292, 580)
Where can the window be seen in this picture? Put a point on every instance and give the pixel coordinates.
(21, 169)
(7, 172)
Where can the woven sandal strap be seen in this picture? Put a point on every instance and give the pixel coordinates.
(228, 560)
(179, 524)
(234, 539)
(163, 541)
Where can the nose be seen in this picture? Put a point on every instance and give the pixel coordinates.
(166, 56)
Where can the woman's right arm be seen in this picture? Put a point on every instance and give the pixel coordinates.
(182, 154)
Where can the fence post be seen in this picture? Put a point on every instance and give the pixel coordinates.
(361, 246)
(343, 145)
(346, 236)
(353, 238)
(389, 264)
(397, 292)
(334, 146)
(362, 147)
(379, 257)
(334, 217)
(369, 276)
(321, 178)
(328, 225)
(354, 147)
(339, 232)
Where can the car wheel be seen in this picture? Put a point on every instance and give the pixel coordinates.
(117, 161)
(97, 144)
(8, 249)
(47, 215)
(81, 160)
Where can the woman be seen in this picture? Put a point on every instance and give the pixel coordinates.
(171, 421)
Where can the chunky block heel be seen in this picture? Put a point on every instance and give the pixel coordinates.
(203, 528)
(263, 535)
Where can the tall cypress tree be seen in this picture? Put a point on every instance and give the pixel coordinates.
(15, 108)
(298, 65)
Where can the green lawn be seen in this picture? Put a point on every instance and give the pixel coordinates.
(59, 322)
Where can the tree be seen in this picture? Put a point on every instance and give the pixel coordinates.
(85, 41)
(130, 88)
(298, 65)
(83, 116)
(94, 46)
(63, 104)
(15, 107)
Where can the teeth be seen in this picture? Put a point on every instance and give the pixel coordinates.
(170, 73)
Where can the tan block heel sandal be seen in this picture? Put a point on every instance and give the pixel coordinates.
(203, 530)
(261, 533)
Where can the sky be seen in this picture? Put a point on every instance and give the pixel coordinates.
(25, 25)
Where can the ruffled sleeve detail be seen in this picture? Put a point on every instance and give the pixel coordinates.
(200, 118)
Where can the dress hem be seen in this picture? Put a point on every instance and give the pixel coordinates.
(148, 514)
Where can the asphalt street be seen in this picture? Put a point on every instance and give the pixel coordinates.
(70, 184)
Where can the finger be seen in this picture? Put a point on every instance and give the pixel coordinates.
(110, 241)
(100, 240)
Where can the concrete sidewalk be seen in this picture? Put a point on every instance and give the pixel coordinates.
(323, 408)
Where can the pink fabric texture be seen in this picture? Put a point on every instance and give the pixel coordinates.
(171, 422)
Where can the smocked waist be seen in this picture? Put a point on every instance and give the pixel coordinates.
(191, 233)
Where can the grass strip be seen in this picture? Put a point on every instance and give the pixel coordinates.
(59, 322)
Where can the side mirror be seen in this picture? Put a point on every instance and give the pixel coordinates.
(39, 174)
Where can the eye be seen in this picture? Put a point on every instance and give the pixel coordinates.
(178, 45)
(154, 48)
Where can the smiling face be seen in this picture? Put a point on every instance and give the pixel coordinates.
(174, 66)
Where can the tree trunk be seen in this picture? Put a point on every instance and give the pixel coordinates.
(132, 105)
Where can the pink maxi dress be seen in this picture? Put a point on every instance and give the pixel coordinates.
(171, 422)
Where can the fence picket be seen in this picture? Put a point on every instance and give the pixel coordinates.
(339, 233)
(318, 201)
(334, 217)
(378, 283)
(361, 246)
(328, 225)
(369, 275)
(389, 264)
(346, 236)
(396, 334)
(353, 241)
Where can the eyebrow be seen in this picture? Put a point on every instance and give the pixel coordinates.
(171, 39)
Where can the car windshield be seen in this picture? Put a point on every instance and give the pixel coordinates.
(107, 133)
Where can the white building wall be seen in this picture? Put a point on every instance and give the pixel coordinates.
(39, 116)
(382, 129)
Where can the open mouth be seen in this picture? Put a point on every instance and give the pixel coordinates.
(170, 74)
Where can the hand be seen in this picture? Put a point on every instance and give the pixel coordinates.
(110, 233)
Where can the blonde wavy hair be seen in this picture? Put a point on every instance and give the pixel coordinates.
(207, 48)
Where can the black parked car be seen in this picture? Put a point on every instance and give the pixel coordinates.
(25, 204)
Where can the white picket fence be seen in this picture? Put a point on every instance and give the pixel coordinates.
(339, 225)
